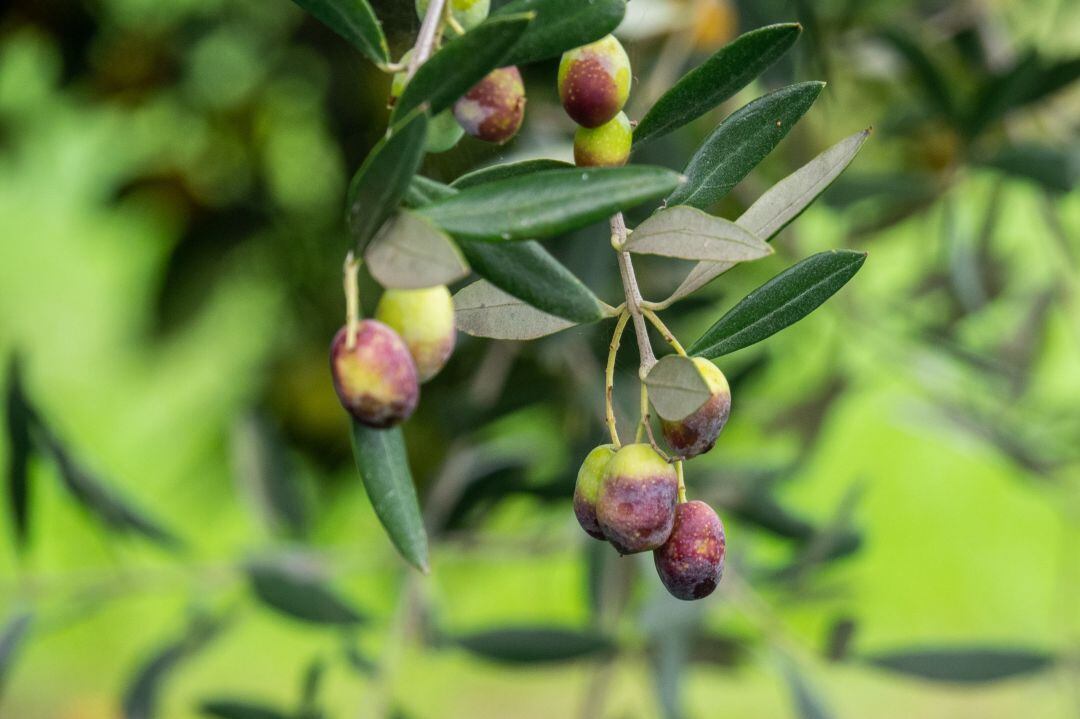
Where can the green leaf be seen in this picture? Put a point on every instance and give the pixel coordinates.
(384, 469)
(561, 25)
(688, 233)
(267, 474)
(101, 501)
(779, 303)
(527, 271)
(1057, 170)
(460, 64)
(808, 704)
(355, 21)
(535, 645)
(676, 387)
(506, 170)
(423, 191)
(1052, 78)
(384, 178)
(964, 665)
(20, 417)
(716, 79)
(780, 205)
(930, 78)
(483, 310)
(141, 698)
(296, 588)
(11, 639)
(233, 709)
(548, 203)
(410, 253)
(740, 142)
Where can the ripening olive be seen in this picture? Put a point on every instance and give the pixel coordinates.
(494, 108)
(635, 506)
(425, 321)
(588, 487)
(697, 433)
(691, 562)
(594, 81)
(376, 378)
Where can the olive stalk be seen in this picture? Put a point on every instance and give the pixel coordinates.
(682, 480)
(352, 299)
(609, 378)
(425, 40)
(633, 294)
(668, 335)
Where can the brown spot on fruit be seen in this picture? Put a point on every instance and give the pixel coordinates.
(594, 81)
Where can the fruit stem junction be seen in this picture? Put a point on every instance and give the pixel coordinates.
(352, 299)
(609, 378)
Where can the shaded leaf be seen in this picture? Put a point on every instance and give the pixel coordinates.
(384, 470)
(688, 233)
(141, 698)
(780, 302)
(716, 79)
(382, 181)
(740, 142)
(410, 253)
(295, 588)
(808, 704)
(561, 25)
(19, 418)
(11, 639)
(528, 272)
(1051, 78)
(838, 643)
(483, 310)
(355, 21)
(507, 170)
(548, 203)
(535, 645)
(964, 665)
(676, 387)
(267, 474)
(460, 64)
(423, 191)
(234, 709)
(780, 205)
(930, 78)
(1055, 169)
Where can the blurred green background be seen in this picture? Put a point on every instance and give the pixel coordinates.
(900, 480)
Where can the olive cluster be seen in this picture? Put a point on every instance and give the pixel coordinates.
(594, 84)
(492, 110)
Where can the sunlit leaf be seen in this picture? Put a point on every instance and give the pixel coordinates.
(460, 64)
(535, 645)
(11, 639)
(483, 310)
(355, 21)
(410, 253)
(676, 387)
(384, 178)
(781, 204)
(507, 170)
(779, 303)
(716, 79)
(234, 709)
(740, 142)
(141, 697)
(384, 470)
(19, 417)
(561, 25)
(964, 665)
(295, 588)
(548, 203)
(688, 233)
(267, 474)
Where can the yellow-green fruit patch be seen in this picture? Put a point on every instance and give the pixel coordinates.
(604, 146)
(425, 320)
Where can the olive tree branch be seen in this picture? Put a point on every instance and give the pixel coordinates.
(425, 41)
(633, 294)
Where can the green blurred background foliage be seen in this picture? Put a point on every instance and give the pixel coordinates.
(900, 478)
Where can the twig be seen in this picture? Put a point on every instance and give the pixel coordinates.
(669, 336)
(609, 378)
(633, 295)
(352, 299)
(425, 41)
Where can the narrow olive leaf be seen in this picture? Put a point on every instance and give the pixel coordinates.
(460, 64)
(509, 169)
(528, 272)
(233, 709)
(483, 310)
(780, 302)
(561, 25)
(676, 387)
(716, 79)
(410, 253)
(1055, 169)
(964, 665)
(141, 698)
(19, 417)
(807, 701)
(384, 470)
(11, 639)
(548, 203)
(423, 191)
(780, 205)
(355, 21)
(690, 234)
(384, 178)
(741, 141)
(535, 645)
(101, 501)
(296, 588)
(267, 475)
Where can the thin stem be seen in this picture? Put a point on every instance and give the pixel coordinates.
(352, 299)
(425, 41)
(633, 295)
(682, 481)
(392, 68)
(669, 336)
(646, 424)
(644, 408)
(609, 378)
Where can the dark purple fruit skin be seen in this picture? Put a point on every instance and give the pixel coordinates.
(376, 381)
(636, 505)
(586, 517)
(697, 433)
(691, 562)
(494, 108)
